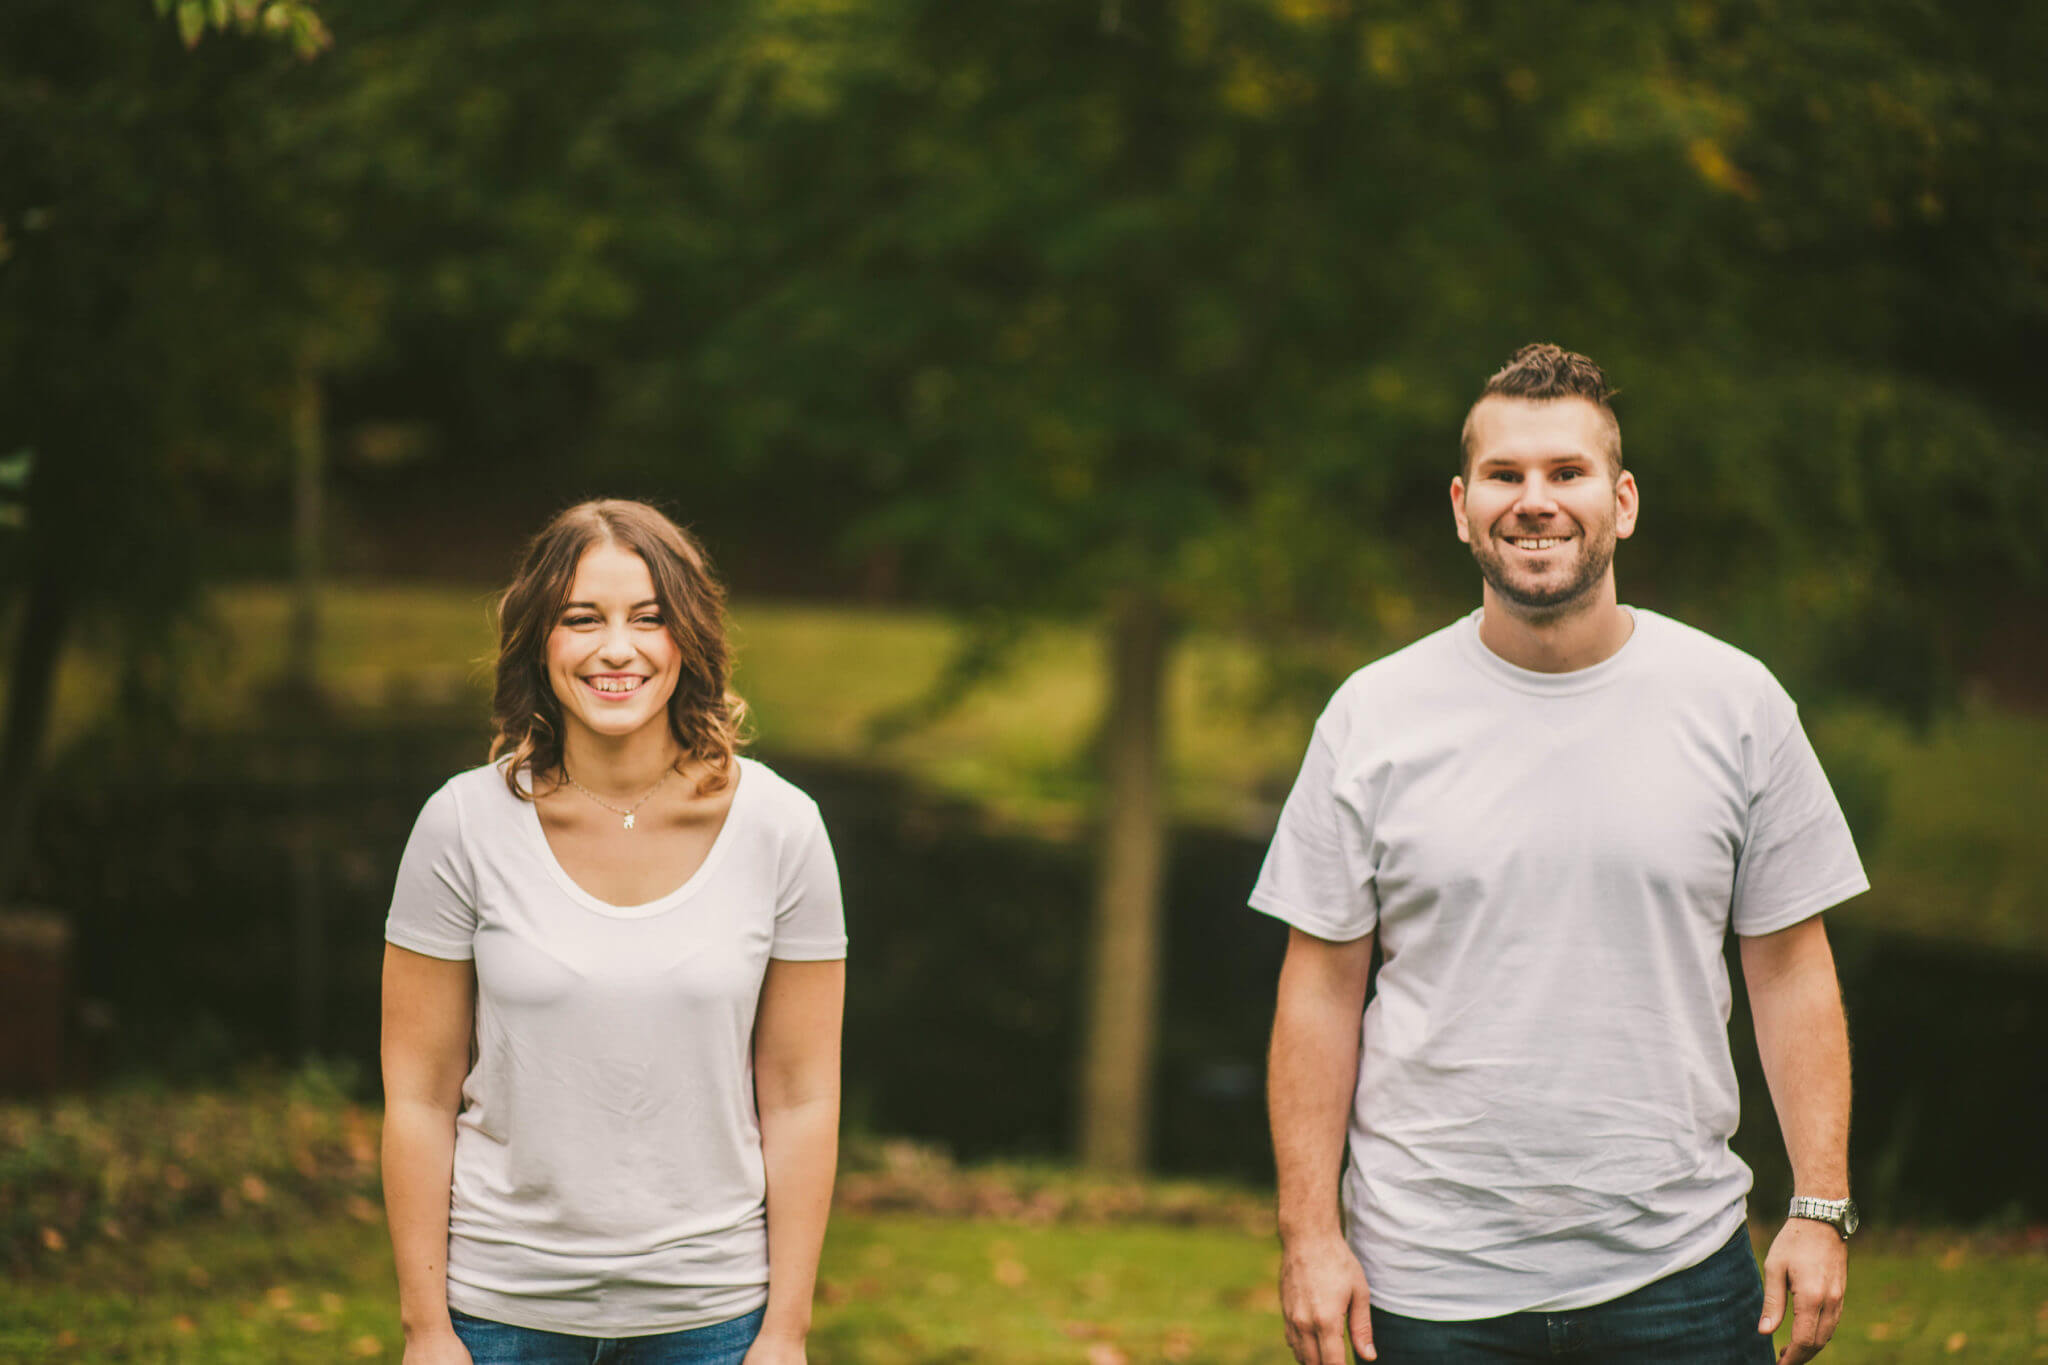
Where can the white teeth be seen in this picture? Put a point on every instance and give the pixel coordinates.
(1543, 544)
(613, 684)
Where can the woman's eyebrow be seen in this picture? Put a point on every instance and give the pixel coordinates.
(592, 606)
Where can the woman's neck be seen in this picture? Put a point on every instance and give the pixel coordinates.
(621, 766)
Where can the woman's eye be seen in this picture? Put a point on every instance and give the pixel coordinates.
(648, 620)
(580, 621)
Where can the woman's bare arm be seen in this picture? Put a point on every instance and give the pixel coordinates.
(429, 1012)
(796, 1085)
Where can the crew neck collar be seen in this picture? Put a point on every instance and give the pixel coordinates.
(1551, 684)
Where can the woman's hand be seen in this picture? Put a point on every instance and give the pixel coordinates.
(769, 1349)
(436, 1348)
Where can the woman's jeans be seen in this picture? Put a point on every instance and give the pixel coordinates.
(498, 1343)
(1705, 1315)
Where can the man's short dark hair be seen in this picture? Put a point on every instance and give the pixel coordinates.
(1542, 372)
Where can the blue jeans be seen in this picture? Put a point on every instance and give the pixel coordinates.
(499, 1343)
(1705, 1315)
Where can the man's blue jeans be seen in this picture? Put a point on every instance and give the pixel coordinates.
(498, 1343)
(1705, 1315)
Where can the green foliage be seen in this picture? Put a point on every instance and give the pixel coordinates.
(294, 21)
(1193, 295)
(131, 1162)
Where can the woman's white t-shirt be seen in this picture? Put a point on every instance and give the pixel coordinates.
(608, 1177)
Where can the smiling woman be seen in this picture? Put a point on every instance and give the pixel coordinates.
(641, 932)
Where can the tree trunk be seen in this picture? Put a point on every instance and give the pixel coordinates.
(31, 673)
(302, 662)
(302, 686)
(1123, 989)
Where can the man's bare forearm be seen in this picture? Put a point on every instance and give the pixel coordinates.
(1803, 1038)
(1311, 1076)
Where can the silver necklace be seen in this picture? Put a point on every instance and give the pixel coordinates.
(626, 811)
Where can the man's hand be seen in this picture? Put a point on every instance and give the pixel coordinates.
(1324, 1298)
(1810, 1261)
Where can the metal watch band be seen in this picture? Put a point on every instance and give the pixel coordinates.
(1835, 1212)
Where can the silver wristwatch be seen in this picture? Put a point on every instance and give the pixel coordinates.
(1840, 1214)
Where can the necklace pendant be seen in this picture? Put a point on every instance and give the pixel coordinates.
(629, 819)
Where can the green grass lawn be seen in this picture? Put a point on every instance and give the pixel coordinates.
(240, 1226)
(1958, 856)
(894, 1288)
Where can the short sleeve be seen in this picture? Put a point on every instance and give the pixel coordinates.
(1317, 875)
(810, 921)
(1797, 855)
(433, 907)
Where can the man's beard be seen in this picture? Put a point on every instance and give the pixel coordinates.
(1551, 598)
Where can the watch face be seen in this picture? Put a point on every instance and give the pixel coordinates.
(1851, 1220)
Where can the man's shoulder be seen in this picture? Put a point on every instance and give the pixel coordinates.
(1687, 655)
(1415, 672)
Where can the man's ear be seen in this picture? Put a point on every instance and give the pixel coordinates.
(1627, 502)
(1458, 508)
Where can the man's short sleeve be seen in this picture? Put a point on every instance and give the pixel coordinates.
(1797, 855)
(1318, 876)
(810, 920)
(433, 907)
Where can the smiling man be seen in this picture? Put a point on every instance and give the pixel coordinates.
(1548, 817)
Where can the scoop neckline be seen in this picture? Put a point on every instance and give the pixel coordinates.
(668, 900)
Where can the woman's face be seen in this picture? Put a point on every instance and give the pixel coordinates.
(611, 659)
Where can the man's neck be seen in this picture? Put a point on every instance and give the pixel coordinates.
(1561, 643)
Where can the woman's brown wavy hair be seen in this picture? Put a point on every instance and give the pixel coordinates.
(706, 717)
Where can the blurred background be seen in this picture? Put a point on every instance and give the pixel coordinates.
(1068, 391)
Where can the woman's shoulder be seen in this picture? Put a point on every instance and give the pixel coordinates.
(478, 793)
(771, 794)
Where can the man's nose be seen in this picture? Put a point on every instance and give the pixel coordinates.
(1535, 498)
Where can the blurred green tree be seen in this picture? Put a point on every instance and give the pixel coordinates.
(1168, 310)
(163, 276)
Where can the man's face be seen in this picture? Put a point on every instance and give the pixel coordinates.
(1541, 505)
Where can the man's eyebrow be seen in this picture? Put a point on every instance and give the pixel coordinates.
(1512, 462)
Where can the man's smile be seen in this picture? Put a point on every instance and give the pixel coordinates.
(1533, 543)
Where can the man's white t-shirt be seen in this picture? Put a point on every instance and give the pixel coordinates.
(608, 1176)
(1552, 862)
